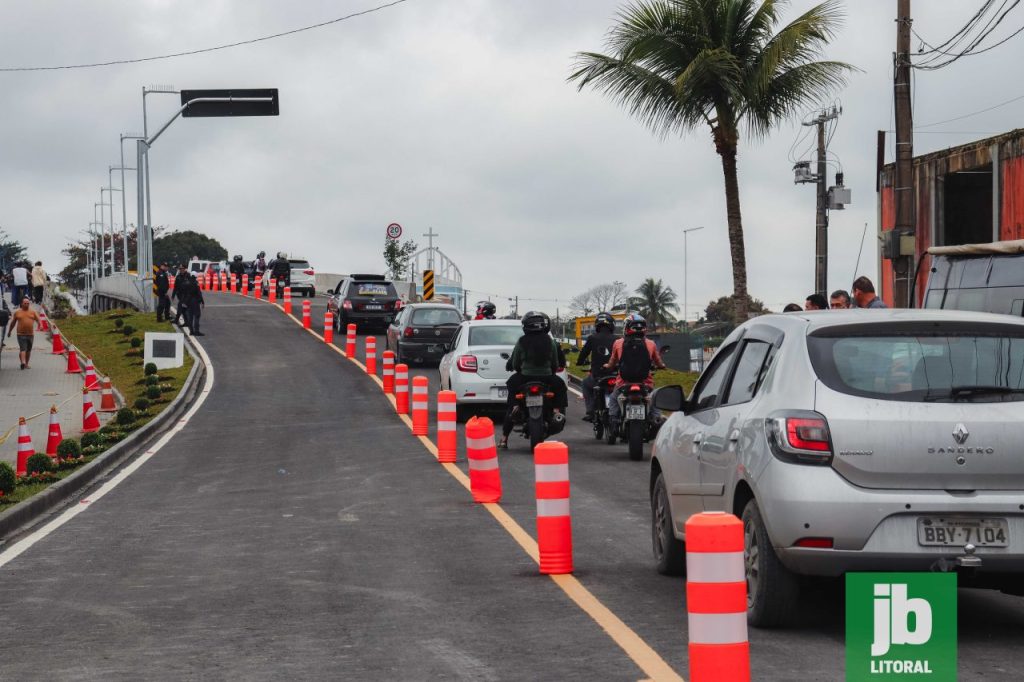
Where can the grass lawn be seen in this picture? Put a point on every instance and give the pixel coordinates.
(662, 377)
(111, 351)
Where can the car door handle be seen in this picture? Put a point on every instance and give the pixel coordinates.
(734, 436)
(697, 438)
(504, 356)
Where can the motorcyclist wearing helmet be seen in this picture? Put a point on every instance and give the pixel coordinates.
(259, 266)
(237, 269)
(485, 310)
(596, 351)
(281, 270)
(634, 356)
(534, 358)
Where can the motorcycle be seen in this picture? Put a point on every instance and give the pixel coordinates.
(534, 414)
(638, 423)
(603, 387)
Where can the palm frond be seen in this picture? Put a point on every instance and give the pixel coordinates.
(791, 92)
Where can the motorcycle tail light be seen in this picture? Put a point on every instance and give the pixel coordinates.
(519, 396)
(549, 395)
(534, 390)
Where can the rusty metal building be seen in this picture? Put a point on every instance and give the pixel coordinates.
(970, 194)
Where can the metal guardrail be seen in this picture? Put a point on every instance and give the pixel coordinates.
(120, 290)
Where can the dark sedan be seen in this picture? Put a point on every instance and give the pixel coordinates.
(422, 331)
(365, 300)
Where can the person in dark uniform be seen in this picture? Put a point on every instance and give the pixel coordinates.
(195, 307)
(237, 269)
(181, 285)
(161, 286)
(597, 350)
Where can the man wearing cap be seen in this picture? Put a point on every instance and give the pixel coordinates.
(161, 285)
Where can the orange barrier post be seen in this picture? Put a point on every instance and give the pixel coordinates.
(234, 283)
(402, 389)
(44, 323)
(245, 285)
(328, 327)
(389, 373)
(224, 281)
(350, 340)
(554, 521)
(482, 456)
(307, 314)
(257, 290)
(447, 438)
(107, 403)
(420, 406)
(287, 300)
(716, 598)
(91, 382)
(90, 420)
(58, 343)
(53, 434)
(272, 291)
(25, 449)
(371, 355)
(73, 366)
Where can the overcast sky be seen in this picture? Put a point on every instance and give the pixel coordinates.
(451, 114)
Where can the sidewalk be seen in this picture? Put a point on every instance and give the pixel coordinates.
(24, 393)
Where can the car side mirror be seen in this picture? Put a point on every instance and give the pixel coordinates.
(669, 399)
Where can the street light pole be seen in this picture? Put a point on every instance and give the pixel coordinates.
(113, 248)
(686, 272)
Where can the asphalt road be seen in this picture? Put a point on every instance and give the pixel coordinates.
(296, 530)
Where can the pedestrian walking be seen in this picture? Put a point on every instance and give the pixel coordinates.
(181, 287)
(864, 294)
(39, 280)
(19, 282)
(195, 308)
(26, 321)
(161, 286)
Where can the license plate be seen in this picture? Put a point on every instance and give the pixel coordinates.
(535, 401)
(502, 393)
(636, 412)
(373, 307)
(937, 531)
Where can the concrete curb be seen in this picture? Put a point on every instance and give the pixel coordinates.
(33, 508)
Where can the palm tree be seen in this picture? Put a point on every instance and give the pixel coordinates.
(678, 64)
(654, 302)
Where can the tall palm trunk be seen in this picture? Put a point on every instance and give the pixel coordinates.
(726, 149)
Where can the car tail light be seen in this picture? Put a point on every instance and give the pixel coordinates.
(799, 437)
(309, 272)
(519, 396)
(466, 363)
(407, 333)
(814, 543)
(347, 304)
(549, 395)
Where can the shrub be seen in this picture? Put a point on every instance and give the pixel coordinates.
(118, 323)
(127, 330)
(125, 416)
(136, 342)
(152, 380)
(153, 392)
(111, 437)
(7, 478)
(150, 368)
(90, 439)
(69, 449)
(38, 463)
(141, 404)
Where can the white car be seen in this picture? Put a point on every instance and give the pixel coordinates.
(474, 364)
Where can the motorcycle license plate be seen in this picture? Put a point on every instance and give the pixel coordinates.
(935, 531)
(535, 401)
(635, 412)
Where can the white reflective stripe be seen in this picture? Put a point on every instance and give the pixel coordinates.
(549, 473)
(419, 405)
(479, 443)
(715, 567)
(445, 426)
(419, 390)
(718, 628)
(483, 464)
(388, 372)
(553, 507)
(446, 408)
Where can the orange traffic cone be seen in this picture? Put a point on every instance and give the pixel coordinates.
(420, 406)
(371, 355)
(272, 291)
(234, 283)
(53, 435)
(73, 366)
(44, 323)
(482, 455)
(90, 420)
(350, 340)
(91, 382)
(389, 373)
(107, 403)
(328, 327)
(554, 522)
(402, 389)
(58, 344)
(288, 300)
(245, 285)
(257, 290)
(307, 314)
(447, 438)
(25, 449)
(223, 281)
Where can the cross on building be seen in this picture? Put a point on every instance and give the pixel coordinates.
(430, 234)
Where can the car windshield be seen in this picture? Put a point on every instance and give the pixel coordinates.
(978, 363)
(432, 317)
(370, 289)
(495, 335)
(196, 266)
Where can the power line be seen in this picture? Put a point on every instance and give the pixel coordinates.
(934, 56)
(205, 49)
(973, 113)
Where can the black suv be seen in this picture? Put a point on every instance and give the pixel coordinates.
(365, 300)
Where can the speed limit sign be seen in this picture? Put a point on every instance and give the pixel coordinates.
(394, 231)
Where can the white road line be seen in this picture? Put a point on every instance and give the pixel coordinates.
(15, 550)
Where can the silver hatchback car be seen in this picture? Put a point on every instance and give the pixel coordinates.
(852, 440)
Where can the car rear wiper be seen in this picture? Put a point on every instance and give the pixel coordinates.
(967, 390)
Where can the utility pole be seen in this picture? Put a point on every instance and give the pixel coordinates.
(821, 205)
(903, 191)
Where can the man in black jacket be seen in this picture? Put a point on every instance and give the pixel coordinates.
(161, 285)
(182, 281)
(195, 307)
(596, 350)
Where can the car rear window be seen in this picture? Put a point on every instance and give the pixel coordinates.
(495, 335)
(299, 264)
(370, 289)
(430, 317)
(922, 362)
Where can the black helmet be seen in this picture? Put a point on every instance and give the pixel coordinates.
(486, 309)
(635, 325)
(261, 254)
(604, 319)
(237, 259)
(536, 321)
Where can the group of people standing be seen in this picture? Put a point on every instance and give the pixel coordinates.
(863, 296)
(27, 280)
(189, 309)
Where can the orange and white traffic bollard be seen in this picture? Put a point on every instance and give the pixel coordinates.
(58, 343)
(482, 456)
(53, 434)
(91, 382)
(371, 355)
(90, 420)
(223, 281)
(307, 314)
(107, 403)
(288, 300)
(554, 522)
(25, 449)
(716, 599)
(402, 389)
(73, 366)
(272, 291)
(234, 283)
(44, 323)
(350, 340)
(257, 290)
(447, 437)
(388, 373)
(245, 285)
(328, 327)
(420, 406)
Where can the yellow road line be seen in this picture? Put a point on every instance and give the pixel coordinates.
(639, 651)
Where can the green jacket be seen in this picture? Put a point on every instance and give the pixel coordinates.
(530, 367)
